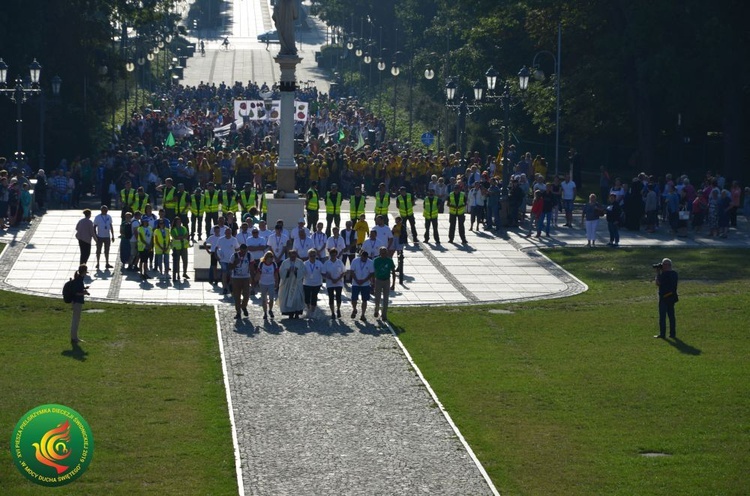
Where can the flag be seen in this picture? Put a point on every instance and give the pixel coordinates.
(360, 142)
(169, 141)
(342, 134)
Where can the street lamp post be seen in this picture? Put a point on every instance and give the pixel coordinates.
(395, 71)
(539, 75)
(18, 94)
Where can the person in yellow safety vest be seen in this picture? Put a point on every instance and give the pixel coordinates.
(333, 208)
(248, 198)
(430, 214)
(405, 205)
(141, 200)
(180, 242)
(196, 214)
(162, 244)
(169, 202)
(456, 211)
(182, 200)
(382, 202)
(210, 206)
(228, 199)
(356, 204)
(127, 198)
(313, 205)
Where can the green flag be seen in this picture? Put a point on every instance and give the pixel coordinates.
(169, 141)
(342, 134)
(360, 142)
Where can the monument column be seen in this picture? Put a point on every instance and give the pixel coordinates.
(286, 169)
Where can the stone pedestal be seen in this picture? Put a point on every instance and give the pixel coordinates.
(289, 209)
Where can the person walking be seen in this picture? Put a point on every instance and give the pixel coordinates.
(241, 271)
(430, 213)
(145, 246)
(311, 282)
(333, 273)
(79, 291)
(291, 293)
(267, 279)
(105, 234)
(362, 273)
(384, 269)
(85, 232)
(666, 279)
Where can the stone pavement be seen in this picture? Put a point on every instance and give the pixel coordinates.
(332, 407)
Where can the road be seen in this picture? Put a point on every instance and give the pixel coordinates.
(247, 59)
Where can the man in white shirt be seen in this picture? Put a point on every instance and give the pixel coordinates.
(372, 245)
(362, 272)
(226, 247)
(256, 245)
(276, 242)
(333, 272)
(568, 195)
(244, 234)
(384, 234)
(295, 232)
(263, 230)
(302, 244)
(104, 231)
(134, 242)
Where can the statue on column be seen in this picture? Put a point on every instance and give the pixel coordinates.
(284, 15)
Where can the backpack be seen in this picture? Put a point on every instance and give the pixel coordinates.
(68, 292)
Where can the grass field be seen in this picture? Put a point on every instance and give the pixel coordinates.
(565, 396)
(148, 381)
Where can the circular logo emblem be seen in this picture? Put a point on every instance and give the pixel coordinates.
(52, 445)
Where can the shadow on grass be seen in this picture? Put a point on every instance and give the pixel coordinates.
(76, 353)
(683, 347)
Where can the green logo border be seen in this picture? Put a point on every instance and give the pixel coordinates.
(31, 428)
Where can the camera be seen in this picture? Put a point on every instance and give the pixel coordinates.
(657, 266)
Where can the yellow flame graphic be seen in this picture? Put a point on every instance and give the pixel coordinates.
(52, 447)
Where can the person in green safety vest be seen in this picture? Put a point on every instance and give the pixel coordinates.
(169, 202)
(430, 214)
(382, 202)
(405, 205)
(182, 200)
(312, 206)
(196, 214)
(248, 198)
(457, 211)
(357, 204)
(210, 206)
(180, 242)
(127, 198)
(333, 208)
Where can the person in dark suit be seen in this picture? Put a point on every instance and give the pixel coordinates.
(666, 280)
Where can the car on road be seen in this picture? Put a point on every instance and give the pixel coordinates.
(269, 36)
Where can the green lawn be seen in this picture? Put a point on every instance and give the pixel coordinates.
(563, 396)
(149, 383)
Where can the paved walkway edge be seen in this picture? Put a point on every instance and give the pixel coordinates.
(445, 413)
(224, 372)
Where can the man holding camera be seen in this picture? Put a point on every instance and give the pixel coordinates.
(666, 280)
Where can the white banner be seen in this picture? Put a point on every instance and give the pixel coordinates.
(255, 110)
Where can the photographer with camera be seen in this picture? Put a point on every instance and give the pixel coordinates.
(666, 280)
